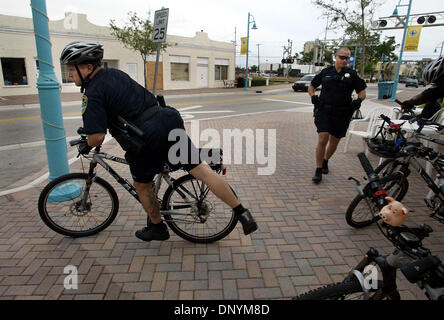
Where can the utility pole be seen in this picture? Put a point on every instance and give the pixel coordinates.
(315, 53)
(235, 48)
(287, 50)
(325, 41)
(258, 59)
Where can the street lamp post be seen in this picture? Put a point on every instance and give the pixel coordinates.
(440, 53)
(248, 40)
(395, 13)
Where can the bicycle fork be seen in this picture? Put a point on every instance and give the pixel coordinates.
(89, 181)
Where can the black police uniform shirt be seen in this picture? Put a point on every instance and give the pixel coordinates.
(337, 87)
(434, 93)
(112, 92)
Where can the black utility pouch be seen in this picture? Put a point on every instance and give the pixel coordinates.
(127, 135)
(415, 270)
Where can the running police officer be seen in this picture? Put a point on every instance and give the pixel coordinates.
(334, 108)
(111, 94)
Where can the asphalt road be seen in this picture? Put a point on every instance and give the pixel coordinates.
(22, 148)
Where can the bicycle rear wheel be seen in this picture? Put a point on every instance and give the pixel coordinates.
(363, 209)
(203, 218)
(77, 206)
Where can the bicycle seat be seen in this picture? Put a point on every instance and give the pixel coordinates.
(212, 156)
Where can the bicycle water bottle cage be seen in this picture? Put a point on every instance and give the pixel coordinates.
(399, 142)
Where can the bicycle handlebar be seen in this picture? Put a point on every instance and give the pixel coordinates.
(374, 181)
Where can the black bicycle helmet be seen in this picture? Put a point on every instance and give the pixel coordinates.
(80, 52)
(383, 148)
(434, 70)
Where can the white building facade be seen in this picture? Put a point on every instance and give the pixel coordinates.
(187, 63)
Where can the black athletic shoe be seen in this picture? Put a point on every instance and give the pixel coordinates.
(318, 176)
(248, 223)
(154, 232)
(325, 167)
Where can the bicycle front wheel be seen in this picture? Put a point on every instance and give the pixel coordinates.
(78, 205)
(363, 209)
(349, 289)
(401, 185)
(195, 213)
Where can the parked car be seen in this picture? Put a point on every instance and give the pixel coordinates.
(402, 79)
(422, 82)
(411, 83)
(303, 83)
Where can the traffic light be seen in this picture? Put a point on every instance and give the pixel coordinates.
(422, 19)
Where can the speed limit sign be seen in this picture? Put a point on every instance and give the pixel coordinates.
(160, 25)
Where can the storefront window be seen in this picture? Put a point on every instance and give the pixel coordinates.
(14, 71)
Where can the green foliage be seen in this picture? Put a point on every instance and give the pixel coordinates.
(307, 57)
(354, 17)
(255, 82)
(136, 35)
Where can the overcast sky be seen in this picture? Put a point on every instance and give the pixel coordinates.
(277, 21)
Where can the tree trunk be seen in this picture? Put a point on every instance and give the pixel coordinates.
(363, 5)
(144, 70)
(363, 60)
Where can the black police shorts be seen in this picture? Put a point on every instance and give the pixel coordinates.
(146, 165)
(334, 125)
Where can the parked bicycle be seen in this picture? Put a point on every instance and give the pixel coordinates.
(416, 262)
(394, 171)
(82, 204)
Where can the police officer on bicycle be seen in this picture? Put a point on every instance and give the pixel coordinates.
(433, 73)
(110, 94)
(334, 108)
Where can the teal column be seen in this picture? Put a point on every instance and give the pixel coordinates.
(49, 95)
(395, 85)
(246, 62)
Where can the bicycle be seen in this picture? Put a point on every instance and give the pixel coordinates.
(416, 262)
(83, 204)
(395, 171)
(363, 209)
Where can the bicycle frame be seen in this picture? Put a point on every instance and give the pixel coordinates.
(411, 160)
(98, 158)
(389, 266)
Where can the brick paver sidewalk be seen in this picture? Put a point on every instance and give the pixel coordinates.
(303, 240)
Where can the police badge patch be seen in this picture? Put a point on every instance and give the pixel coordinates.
(84, 103)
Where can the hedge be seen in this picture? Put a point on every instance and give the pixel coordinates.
(258, 82)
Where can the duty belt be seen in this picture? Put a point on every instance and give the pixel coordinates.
(335, 110)
(146, 115)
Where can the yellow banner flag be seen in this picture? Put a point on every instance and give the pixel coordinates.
(243, 46)
(412, 39)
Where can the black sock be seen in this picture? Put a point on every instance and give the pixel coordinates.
(239, 209)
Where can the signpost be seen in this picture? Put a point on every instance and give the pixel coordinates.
(159, 36)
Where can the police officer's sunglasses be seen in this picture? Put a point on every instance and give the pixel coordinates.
(344, 57)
